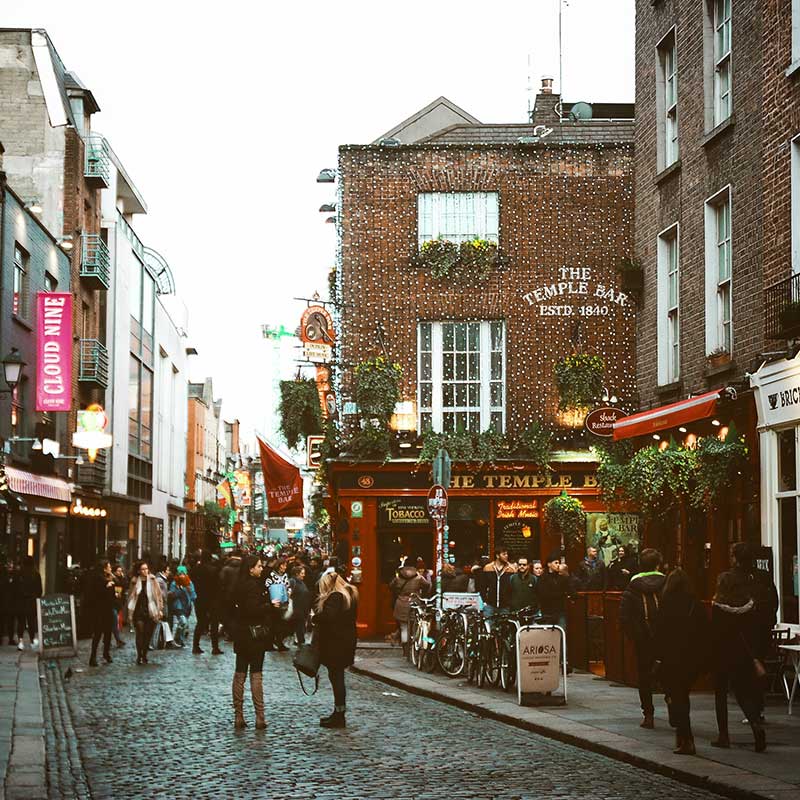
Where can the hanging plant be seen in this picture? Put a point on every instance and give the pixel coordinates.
(300, 411)
(474, 258)
(464, 446)
(371, 443)
(478, 257)
(439, 256)
(565, 515)
(612, 469)
(535, 444)
(718, 464)
(328, 449)
(377, 388)
(579, 378)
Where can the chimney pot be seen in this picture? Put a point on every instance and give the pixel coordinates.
(547, 85)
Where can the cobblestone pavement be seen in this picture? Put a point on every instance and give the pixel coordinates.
(165, 730)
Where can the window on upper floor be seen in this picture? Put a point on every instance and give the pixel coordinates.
(719, 74)
(457, 216)
(20, 306)
(50, 283)
(667, 100)
(795, 31)
(719, 273)
(461, 376)
(669, 363)
(140, 409)
(142, 309)
(795, 202)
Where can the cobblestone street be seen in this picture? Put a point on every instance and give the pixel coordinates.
(165, 731)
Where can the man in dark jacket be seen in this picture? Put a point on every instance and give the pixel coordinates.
(206, 582)
(29, 588)
(553, 589)
(638, 612)
(495, 583)
(523, 586)
(301, 603)
(592, 572)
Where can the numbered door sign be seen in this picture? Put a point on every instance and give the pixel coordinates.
(437, 502)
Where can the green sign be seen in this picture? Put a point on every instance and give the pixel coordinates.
(226, 545)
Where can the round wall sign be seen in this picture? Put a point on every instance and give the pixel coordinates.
(601, 421)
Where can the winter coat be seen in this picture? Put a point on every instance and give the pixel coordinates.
(553, 590)
(29, 587)
(120, 590)
(250, 607)
(301, 599)
(681, 639)
(732, 635)
(100, 598)
(183, 598)
(455, 581)
(757, 584)
(206, 581)
(524, 592)
(335, 627)
(155, 600)
(592, 575)
(639, 607)
(617, 578)
(228, 576)
(407, 582)
(495, 586)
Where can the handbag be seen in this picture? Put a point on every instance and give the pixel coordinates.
(287, 610)
(306, 662)
(259, 633)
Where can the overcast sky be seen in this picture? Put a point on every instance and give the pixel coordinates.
(224, 113)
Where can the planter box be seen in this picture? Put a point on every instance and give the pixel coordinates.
(719, 360)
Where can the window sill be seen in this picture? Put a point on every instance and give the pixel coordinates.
(718, 131)
(792, 68)
(669, 389)
(712, 372)
(673, 169)
(23, 323)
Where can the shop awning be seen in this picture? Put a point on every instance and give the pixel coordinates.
(38, 485)
(665, 417)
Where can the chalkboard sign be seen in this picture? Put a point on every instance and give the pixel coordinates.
(57, 631)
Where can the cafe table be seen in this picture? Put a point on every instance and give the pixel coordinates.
(793, 651)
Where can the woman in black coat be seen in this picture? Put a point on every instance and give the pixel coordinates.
(250, 618)
(681, 642)
(101, 597)
(335, 631)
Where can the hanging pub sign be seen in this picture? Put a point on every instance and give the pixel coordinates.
(601, 421)
(403, 512)
(317, 334)
(53, 351)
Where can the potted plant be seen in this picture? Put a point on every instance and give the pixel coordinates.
(718, 358)
(300, 411)
(632, 274)
(789, 317)
(439, 256)
(478, 257)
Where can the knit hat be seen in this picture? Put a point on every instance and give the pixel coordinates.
(554, 556)
(182, 570)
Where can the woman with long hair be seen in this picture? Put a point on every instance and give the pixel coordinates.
(335, 626)
(681, 648)
(145, 607)
(100, 595)
(250, 617)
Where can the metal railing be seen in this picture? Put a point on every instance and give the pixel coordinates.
(95, 261)
(97, 164)
(93, 474)
(782, 308)
(94, 363)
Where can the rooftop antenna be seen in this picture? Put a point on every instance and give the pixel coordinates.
(530, 89)
(561, 4)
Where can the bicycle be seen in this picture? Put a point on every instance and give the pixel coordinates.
(423, 640)
(506, 630)
(451, 644)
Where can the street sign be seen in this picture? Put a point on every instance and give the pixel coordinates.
(459, 599)
(437, 502)
(313, 454)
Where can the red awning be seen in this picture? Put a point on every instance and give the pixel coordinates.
(664, 417)
(39, 485)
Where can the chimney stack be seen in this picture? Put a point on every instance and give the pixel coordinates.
(547, 85)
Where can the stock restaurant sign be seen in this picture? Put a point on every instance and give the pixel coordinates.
(601, 421)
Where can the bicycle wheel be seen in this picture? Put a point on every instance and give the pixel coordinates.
(508, 665)
(491, 663)
(450, 650)
(480, 675)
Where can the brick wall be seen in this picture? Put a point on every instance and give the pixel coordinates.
(560, 206)
(733, 156)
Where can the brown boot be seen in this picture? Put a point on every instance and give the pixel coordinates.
(237, 690)
(257, 692)
(686, 747)
(648, 722)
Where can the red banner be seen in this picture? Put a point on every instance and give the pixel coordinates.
(282, 483)
(53, 351)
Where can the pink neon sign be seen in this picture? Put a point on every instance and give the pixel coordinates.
(53, 351)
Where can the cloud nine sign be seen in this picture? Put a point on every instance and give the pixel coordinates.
(53, 351)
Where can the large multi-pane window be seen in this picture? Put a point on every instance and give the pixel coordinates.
(461, 376)
(458, 216)
(668, 99)
(20, 301)
(668, 307)
(788, 499)
(719, 271)
(140, 382)
(721, 22)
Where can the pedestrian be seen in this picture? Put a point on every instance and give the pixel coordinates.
(209, 593)
(301, 603)
(523, 587)
(335, 626)
(145, 608)
(277, 585)
(28, 590)
(638, 610)
(454, 579)
(8, 602)
(553, 588)
(734, 627)
(227, 577)
(120, 593)
(495, 583)
(406, 583)
(591, 572)
(621, 569)
(681, 651)
(183, 596)
(100, 597)
(249, 622)
(163, 627)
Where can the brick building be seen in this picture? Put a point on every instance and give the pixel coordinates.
(478, 352)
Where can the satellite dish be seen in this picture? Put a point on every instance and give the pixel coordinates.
(580, 111)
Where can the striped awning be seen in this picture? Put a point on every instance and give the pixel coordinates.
(38, 485)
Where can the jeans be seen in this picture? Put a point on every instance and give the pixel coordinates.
(300, 630)
(207, 620)
(101, 628)
(181, 628)
(745, 690)
(253, 661)
(678, 704)
(336, 677)
(644, 668)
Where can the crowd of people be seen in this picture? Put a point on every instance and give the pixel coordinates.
(20, 586)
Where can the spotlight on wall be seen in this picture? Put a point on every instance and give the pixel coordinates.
(65, 242)
(716, 423)
(35, 207)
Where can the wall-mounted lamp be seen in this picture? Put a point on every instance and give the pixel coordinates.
(327, 208)
(326, 176)
(65, 242)
(12, 369)
(608, 397)
(37, 443)
(35, 207)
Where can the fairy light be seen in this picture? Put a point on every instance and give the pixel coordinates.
(561, 205)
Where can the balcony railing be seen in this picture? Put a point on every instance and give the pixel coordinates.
(782, 309)
(95, 262)
(97, 166)
(93, 475)
(94, 363)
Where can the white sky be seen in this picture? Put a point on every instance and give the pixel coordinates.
(224, 113)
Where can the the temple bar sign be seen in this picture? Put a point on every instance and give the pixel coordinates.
(575, 293)
(529, 480)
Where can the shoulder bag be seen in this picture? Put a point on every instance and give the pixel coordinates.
(306, 662)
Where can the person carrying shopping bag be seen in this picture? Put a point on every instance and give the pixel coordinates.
(183, 598)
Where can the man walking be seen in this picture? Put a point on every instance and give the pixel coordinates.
(638, 614)
(207, 586)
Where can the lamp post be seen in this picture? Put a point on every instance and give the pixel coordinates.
(12, 369)
(441, 477)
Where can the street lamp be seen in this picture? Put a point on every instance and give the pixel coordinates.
(326, 176)
(12, 369)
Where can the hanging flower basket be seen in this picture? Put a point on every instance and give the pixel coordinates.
(300, 411)
(565, 515)
(579, 378)
(439, 256)
(377, 388)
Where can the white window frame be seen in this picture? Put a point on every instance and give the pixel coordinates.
(795, 201)
(668, 328)
(722, 27)
(795, 31)
(458, 216)
(716, 285)
(437, 408)
(667, 99)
